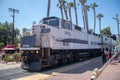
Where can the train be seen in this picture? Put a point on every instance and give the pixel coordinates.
(55, 41)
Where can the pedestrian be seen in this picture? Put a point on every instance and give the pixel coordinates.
(110, 51)
(103, 55)
(107, 54)
(3, 55)
(0, 57)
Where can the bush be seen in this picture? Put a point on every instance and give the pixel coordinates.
(17, 57)
(1, 45)
(9, 58)
(12, 57)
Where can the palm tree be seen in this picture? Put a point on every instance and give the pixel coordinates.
(83, 11)
(65, 8)
(48, 8)
(61, 8)
(75, 12)
(93, 6)
(63, 4)
(87, 7)
(99, 16)
(70, 5)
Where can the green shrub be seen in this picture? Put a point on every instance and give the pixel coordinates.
(9, 58)
(17, 56)
(13, 57)
(1, 45)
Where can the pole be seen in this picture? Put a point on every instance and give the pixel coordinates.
(100, 32)
(13, 29)
(118, 28)
(13, 11)
(117, 20)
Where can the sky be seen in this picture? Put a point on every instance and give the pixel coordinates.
(35, 10)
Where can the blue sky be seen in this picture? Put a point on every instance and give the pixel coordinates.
(35, 10)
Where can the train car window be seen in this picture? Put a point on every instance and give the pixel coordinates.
(54, 23)
(63, 24)
(68, 26)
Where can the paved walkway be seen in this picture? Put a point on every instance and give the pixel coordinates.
(9, 65)
(112, 72)
(109, 71)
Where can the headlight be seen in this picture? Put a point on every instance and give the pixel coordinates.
(37, 52)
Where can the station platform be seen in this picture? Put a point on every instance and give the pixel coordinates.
(111, 72)
(112, 69)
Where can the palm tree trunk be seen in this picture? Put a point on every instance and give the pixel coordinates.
(75, 12)
(48, 8)
(62, 13)
(70, 15)
(94, 19)
(83, 16)
(100, 25)
(61, 9)
(86, 18)
(65, 11)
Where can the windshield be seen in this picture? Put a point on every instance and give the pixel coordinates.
(53, 22)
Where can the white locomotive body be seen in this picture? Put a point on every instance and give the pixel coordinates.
(64, 35)
(59, 41)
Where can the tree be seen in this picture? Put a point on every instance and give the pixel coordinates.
(6, 33)
(48, 8)
(93, 6)
(82, 2)
(65, 8)
(87, 7)
(63, 5)
(106, 31)
(75, 12)
(26, 32)
(99, 16)
(17, 36)
(70, 5)
(61, 8)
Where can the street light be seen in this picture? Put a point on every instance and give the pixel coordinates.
(13, 11)
(117, 20)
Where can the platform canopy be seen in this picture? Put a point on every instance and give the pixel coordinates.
(8, 47)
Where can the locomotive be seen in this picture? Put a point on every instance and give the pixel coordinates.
(55, 41)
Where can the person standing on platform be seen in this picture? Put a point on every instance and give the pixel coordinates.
(107, 54)
(103, 55)
(110, 51)
(3, 55)
(0, 57)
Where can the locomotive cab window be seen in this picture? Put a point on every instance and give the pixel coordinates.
(66, 25)
(54, 23)
(63, 24)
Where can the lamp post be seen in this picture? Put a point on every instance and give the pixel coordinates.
(13, 11)
(117, 20)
